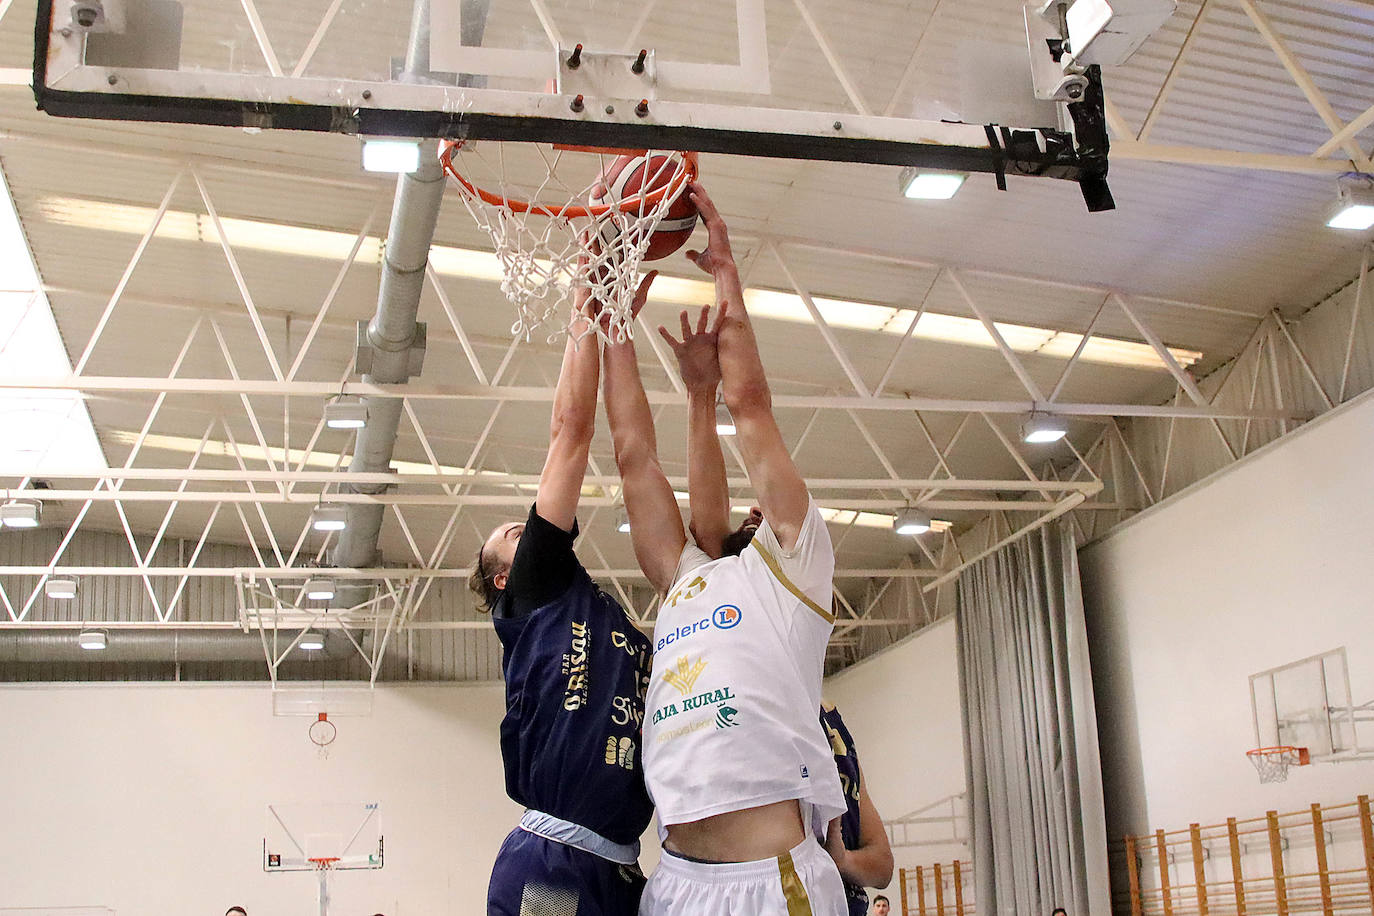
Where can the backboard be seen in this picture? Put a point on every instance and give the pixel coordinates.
(296, 833)
(1308, 704)
(780, 78)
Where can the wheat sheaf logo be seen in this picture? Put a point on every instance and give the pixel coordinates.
(684, 675)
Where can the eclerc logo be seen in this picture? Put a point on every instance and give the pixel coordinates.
(725, 617)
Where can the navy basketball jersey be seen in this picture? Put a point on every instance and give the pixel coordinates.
(847, 762)
(576, 672)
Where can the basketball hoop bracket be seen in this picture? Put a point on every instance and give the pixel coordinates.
(607, 76)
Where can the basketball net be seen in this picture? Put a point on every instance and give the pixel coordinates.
(1272, 763)
(555, 235)
(322, 734)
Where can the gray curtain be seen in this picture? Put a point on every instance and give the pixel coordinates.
(1030, 732)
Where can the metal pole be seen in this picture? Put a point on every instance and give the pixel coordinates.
(324, 891)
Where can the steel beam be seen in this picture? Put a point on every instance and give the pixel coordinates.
(503, 479)
(88, 384)
(254, 573)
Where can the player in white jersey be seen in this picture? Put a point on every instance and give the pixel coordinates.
(735, 759)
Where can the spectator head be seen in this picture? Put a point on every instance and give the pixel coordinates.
(236, 909)
(880, 906)
(1060, 911)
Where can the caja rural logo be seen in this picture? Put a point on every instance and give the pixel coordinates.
(725, 617)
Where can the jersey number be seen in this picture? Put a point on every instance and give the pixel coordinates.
(690, 590)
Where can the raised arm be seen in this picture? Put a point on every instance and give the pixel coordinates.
(780, 487)
(571, 425)
(655, 522)
(708, 490)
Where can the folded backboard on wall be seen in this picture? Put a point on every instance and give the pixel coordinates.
(1308, 703)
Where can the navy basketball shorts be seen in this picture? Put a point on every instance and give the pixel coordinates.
(534, 876)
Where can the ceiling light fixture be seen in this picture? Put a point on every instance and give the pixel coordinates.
(927, 185)
(622, 521)
(1354, 207)
(1041, 428)
(21, 513)
(92, 640)
(318, 588)
(345, 412)
(911, 522)
(863, 519)
(61, 589)
(725, 424)
(329, 518)
(401, 156)
(311, 641)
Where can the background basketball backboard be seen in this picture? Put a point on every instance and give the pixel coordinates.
(1308, 703)
(774, 78)
(296, 833)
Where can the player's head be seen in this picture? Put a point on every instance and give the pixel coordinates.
(737, 540)
(1060, 911)
(489, 571)
(880, 905)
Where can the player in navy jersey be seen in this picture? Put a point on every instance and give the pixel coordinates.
(858, 843)
(576, 670)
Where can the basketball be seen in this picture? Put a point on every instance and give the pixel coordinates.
(625, 178)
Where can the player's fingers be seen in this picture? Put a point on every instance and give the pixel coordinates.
(643, 292)
(703, 202)
(705, 317)
(668, 336)
(686, 325)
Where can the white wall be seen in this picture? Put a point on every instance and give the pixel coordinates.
(902, 706)
(1265, 563)
(150, 799)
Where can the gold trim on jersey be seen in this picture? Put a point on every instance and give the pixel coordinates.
(777, 572)
(793, 891)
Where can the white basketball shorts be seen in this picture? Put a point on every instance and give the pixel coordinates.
(803, 882)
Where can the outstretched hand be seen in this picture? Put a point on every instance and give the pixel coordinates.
(717, 255)
(698, 357)
(642, 294)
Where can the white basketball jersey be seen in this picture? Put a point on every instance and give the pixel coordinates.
(731, 715)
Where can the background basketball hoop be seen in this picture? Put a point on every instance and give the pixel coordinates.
(1272, 763)
(322, 733)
